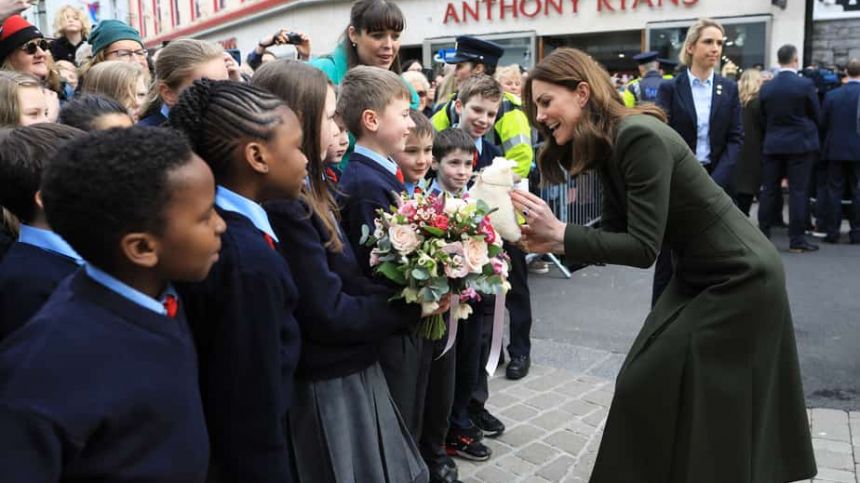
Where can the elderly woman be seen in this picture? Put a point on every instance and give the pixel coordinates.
(710, 390)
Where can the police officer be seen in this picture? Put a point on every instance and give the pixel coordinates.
(511, 130)
(644, 88)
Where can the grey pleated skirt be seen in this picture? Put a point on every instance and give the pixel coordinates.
(347, 430)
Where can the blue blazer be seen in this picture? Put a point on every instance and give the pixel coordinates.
(97, 388)
(840, 124)
(248, 345)
(726, 129)
(28, 276)
(790, 115)
(364, 187)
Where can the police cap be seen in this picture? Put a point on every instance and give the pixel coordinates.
(645, 57)
(471, 49)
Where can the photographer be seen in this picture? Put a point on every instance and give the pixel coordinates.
(300, 40)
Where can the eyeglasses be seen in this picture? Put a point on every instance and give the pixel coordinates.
(421, 93)
(126, 54)
(30, 47)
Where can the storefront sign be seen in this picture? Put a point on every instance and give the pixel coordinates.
(489, 10)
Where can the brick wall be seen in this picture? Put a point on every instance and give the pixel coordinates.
(836, 41)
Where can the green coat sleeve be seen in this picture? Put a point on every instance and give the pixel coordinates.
(645, 164)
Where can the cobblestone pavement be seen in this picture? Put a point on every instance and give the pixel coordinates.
(555, 416)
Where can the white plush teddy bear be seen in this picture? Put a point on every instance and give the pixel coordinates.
(493, 186)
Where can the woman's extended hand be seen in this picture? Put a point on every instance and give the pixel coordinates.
(543, 232)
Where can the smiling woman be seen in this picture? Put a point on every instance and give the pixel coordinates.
(710, 390)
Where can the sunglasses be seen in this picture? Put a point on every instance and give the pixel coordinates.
(30, 47)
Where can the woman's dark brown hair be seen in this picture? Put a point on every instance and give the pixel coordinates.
(304, 89)
(373, 16)
(594, 133)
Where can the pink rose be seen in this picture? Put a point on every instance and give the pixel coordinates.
(475, 254)
(469, 294)
(486, 229)
(500, 267)
(403, 239)
(409, 209)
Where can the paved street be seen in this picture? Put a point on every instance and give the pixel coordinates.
(584, 326)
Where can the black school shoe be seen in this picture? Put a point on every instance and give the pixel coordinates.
(458, 443)
(489, 424)
(518, 367)
(804, 247)
(444, 473)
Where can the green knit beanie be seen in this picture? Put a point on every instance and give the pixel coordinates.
(110, 31)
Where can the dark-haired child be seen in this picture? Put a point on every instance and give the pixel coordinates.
(92, 112)
(242, 314)
(101, 384)
(336, 151)
(374, 104)
(414, 160)
(40, 259)
(344, 424)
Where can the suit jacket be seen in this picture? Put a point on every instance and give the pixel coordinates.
(365, 187)
(726, 131)
(840, 125)
(790, 113)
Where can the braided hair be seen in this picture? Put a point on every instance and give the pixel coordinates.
(219, 116)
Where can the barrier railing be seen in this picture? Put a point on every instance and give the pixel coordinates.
(576, 201)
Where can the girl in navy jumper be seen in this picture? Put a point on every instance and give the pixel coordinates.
(242, 314)
(345, 427)
(101, 385)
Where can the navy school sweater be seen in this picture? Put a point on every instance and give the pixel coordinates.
(365, 186)
(248, 345)
(98, 388)
(28, 276)
(489, 151)
(342, 314)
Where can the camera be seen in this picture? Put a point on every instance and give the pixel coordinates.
(289, 38)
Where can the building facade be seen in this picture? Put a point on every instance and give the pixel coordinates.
(836, 37)
(610, 30)
(42, 13)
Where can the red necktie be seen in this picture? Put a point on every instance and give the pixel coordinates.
(171, 305)
(269, 240)
(417, 190)
(475, 160)
(330, 174)
(400, 177)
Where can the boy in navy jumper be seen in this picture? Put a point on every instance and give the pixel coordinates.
(374, 105)
(40, 259)
(242, 314)
(477, 104)
(101, 385)
(414, 161)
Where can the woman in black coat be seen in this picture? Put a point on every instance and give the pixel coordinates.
(748, 172)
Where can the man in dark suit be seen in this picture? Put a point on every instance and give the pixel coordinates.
(790, 115)
(703, 107)
(840, 130)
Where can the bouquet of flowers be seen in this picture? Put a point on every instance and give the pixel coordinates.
(437, 246)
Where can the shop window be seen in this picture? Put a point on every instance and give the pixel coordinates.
(613, 50)
(745, 43)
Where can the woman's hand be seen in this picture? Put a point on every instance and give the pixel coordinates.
(543, 232)
(232, 68)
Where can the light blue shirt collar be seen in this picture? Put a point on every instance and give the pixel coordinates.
(788, 69)
(849, 81)
(479, 145)
(130, 293)
(410, 187)
(165, 110)
(47, 240)
(437, 188)
(230, 201)
(381, 160)
(696, 81)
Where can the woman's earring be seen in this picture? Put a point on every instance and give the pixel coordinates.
(353, 45)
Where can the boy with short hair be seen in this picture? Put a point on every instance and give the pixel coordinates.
(102, 383)
(414, 161)
(477, 105)
(374, 105)
(40, 259)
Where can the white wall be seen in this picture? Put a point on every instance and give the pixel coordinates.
(324, 21)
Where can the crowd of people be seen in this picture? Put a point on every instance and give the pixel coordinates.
(185, 295)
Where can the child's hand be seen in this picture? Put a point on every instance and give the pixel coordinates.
(444, 306)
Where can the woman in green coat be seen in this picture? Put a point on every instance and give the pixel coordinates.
(710, 390)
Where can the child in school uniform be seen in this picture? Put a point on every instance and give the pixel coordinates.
(101, 384)
(414, 161)
(242, 314)
(477, 104)
(40, 259)
(344, 424)
(374, 105)
(336, 150)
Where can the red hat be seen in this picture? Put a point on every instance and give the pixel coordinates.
(15, 32)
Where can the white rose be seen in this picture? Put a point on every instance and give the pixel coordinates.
(403, 239)
(452, 205)
(463, 312)
(475, 254)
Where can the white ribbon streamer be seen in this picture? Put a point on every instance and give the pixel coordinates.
(496, 340)
(452, 325)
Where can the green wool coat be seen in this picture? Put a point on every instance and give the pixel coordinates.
(710, 391)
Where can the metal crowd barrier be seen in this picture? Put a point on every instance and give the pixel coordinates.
(577, 201)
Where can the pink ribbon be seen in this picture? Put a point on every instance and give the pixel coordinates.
(452, 325)
(496, 340)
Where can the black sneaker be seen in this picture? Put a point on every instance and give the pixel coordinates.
(489, 424)
(459, 444)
